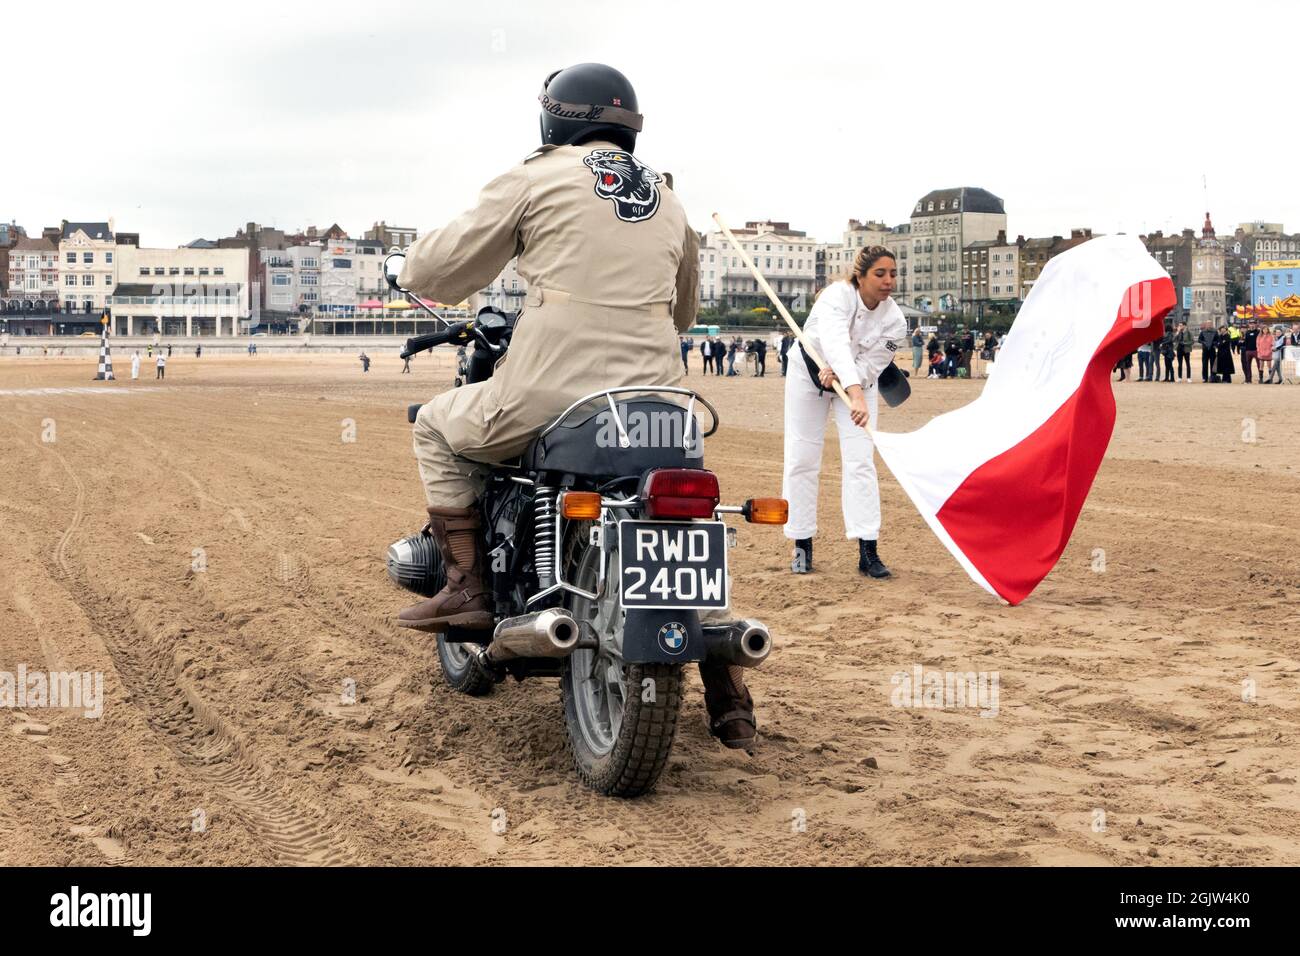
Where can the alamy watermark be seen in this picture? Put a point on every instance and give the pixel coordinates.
(659, 428)
(941, 690)
(73, 690)
(131, 911)
(1138, 305)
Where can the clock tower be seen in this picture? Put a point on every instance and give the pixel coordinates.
(1209, 290)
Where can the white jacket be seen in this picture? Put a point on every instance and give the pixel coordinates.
(857, 342)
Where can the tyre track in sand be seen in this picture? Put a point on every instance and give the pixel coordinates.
(192, 729)
(401, 651)
(63, 768)
(331, 610)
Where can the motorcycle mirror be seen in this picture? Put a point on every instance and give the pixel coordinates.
(393, 264)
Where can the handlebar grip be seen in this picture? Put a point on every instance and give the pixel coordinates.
(419, 343)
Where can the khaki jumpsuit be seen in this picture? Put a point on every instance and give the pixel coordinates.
(612, 270)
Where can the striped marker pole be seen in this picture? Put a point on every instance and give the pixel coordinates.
(105, 373)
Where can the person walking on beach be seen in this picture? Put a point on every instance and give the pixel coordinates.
(365, 362)
(162, 365)
(406, 365)
(135, 365)
(686, 353)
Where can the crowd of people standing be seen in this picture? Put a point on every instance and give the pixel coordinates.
(943, 357)
(950, 357)
(715, 352)
(1259, 348)
(1254, 350)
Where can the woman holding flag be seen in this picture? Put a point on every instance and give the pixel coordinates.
(856, 326)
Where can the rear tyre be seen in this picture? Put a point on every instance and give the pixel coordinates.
(621, 754)
(620, 719)
(461, 669)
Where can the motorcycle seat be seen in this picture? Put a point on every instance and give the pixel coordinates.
(591, 446)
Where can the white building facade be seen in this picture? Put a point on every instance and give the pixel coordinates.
(350, 272)
(88, 260)
(785, 257)
(181, 292)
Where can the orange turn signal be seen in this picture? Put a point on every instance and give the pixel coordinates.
(581, 505)
(767, 510)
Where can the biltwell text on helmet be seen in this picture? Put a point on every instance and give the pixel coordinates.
(588, 101)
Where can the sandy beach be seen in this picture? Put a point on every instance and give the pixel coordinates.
(212, 545)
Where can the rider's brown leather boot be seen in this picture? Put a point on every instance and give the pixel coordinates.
(463, 602)
(730, 706)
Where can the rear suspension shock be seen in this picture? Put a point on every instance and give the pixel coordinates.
(544, 543)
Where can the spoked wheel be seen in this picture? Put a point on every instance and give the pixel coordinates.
(621, 718)
(461, 669)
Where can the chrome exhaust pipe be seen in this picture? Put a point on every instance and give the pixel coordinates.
(744, 643)
(549, 633)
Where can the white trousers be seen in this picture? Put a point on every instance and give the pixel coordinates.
(805, 433)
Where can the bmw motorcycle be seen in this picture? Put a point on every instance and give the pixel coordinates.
(605, 546)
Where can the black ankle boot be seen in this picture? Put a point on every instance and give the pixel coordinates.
(802, 563)
(868, 561)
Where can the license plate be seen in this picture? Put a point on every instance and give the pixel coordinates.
(668, 564)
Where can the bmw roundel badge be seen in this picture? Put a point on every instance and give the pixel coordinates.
(672, 638)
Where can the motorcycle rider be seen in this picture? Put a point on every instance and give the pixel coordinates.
(611, 264)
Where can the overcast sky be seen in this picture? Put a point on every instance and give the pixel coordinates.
(185, 120)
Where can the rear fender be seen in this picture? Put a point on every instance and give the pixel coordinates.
(662, 637)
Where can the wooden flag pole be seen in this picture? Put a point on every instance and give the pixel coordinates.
(798, 334)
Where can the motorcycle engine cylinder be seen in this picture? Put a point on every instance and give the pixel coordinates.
(414, 563)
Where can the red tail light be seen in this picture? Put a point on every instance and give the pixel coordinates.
(680, 493)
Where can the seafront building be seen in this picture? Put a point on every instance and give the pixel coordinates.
(787, 259)
(954, 258)
(190, 291)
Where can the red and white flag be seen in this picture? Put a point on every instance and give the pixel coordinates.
(1002, 480)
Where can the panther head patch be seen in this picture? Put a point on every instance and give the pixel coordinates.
(626, 182)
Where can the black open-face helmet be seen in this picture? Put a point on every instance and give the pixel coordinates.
(589, 101)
